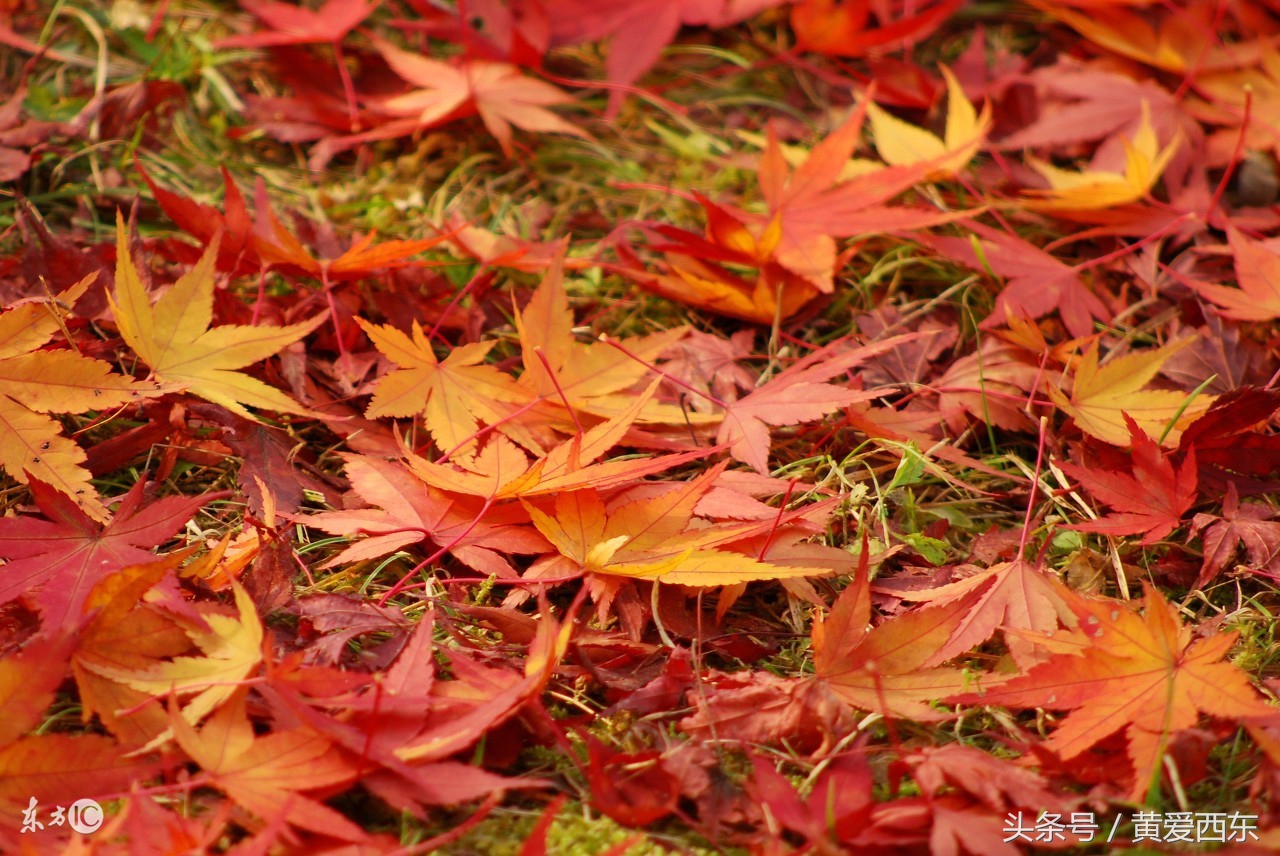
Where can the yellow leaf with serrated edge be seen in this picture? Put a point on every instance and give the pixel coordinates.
(1095, 189)
(1100, 396)
(455, 395)
(35, 382)
(902, 144)
(174, 339)
(651, 539)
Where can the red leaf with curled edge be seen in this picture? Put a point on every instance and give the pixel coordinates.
(291, 24)
(62, 557)
(1150, 499)
(1250, 527)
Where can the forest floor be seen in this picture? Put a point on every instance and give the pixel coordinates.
(639, 426)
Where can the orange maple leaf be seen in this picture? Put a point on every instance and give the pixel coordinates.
(883, 669)
(1146, 675)
(269, 774)
(498, 91)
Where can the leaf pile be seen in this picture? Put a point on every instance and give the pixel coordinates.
(750, 426)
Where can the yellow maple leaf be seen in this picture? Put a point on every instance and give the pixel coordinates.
(1095, 189)
(650, 539)
(455, 396)
(1100, 397)
(174, 338)
(900, 143)
(35, 383)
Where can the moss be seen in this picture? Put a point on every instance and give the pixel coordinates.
(576, 831)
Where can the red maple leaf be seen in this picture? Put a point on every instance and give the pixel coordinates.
(1251, 527)
(63, 557)
(1036, 282)
(1150, 499)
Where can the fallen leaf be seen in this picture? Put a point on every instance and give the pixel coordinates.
(35, 382)
(1098, 189)
(1258, 272)
(499, 92)
(1102, 397)
(455, 396)
(883, 669)
(174, 338)
(1146, 676)
(57, 561)
(1251, 526)
(900, 143)
(1150, 499)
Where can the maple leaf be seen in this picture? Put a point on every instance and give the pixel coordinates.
(1017, 594)
(409, 511)
(1147, 676)
(639, 30)
(250, 244)
(813, 206)
(1226, 446)
(993, 384)
(900, 143)
(1101, 397)
(1098, 189)
(696, 272)
(268, 774)
(1251, 526)
(1151, 499)
(58, 560)
(843, 29)
(651, 538)
(1036, 282)
(500, 470)
(298, 25)
(62, 768)
(797, 394)
(1173, 42)
(34, 383)
(173, 337)
(597, 378)
(883, 669)
(28, 683)
(124, 631)
(1258, 272)
(499, 92)
(231, 648)
(455, 396)
(1088, 103)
